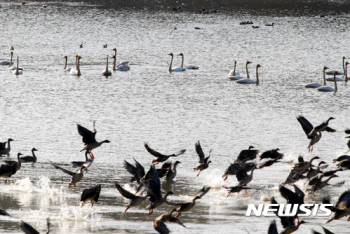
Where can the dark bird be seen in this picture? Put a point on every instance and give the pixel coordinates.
(318, 183)
(90, 194)
(244, 178)
(28, 229)
(81, 45)
(347, 131)
(161, 157)
(268, 163)
(170, 172)
(29, 158)
(342, 208)
(246, 155)
(158, 223)
(269, 24)
(9, 169)
(294, 176)
(105, 46)
(203, 160)
(135, 199)
(272, 228)
(189, 204)
(302, 165)
(87, 163)
(308, 128)
(76, 176)
(313, 172)
(235, 189)
(154, 192)
(331, 172)
(326, 231)
(234, 168)
(342, 158)
(344, 164)
(322, 127)
(273, 154)
(4, 213)
(89, 139)
(3, 148)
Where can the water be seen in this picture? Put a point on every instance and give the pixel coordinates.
(170, 111)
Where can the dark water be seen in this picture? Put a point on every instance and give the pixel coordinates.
(169, 111)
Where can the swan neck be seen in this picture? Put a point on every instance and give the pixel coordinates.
(246, 68)
(234, 70)
(107, 64)
(171, 63)
(17, 65)
(182, 63)
(11, 60)
(335, 84)
(65, 64)
(324, 77)
(257, 76)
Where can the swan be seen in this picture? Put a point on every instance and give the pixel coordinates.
(17, 71)
(76, 71)
(188, 66)
(106, 72)
(233, 72)
(120, 63)
(65, 65)
(315, 85)
(238, 77)
(176, 69)
(11, 66)
(340, 73)
(250, 81)
(346, 72)
(4, 62)
(120, 67)
(326, 88)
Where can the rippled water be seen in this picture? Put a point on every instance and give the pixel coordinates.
(170, 111)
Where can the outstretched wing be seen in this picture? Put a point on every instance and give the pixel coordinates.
(91, 192)
(161, 227)
(124, 192)
(272, 228)
(88, 136)
(203, 191)
(306, 125)
(26, 228)
(62, 169)
(176, 220)
(153, 152)
(200, 152)
(133, 171)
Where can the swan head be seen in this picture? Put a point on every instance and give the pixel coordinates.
(114, 49)
(235, 62)
(65, 57)
(325, 68)
(181, 54)
(258, 65)
(171, 54)
(248, 62)
(347, 63)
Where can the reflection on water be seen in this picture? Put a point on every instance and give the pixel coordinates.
(170, 111)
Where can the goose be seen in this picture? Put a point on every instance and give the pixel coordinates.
(161, 157)
(342, 208)
(304, 165)
(316, 84)
(238, 77)
(89, 139)
(76, 176)
(250, 81)
(107, 72)
(233, 72)
(246, 155)
(171, 172)
(326, 88)
(28, 229)
(90, 194)
(243, 178)
(3, 149)
(81, 45)
(5, 62)
(120, 63)
(203, 161)
(30, 158)
(234, 189)
(308, 127)
(340, 73)
(76, 71)
(9, 169)
(65, 65)
(160, 227)
(189, 204)
(155, 193)
(188, 66)
(105, 46)
(269, 24)
(322, 127)
(176, 69)
(135, 199)
(87, 163)
(17, 71)
(273, 153)
(234, 168)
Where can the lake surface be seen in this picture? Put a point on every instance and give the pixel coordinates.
(170, 111)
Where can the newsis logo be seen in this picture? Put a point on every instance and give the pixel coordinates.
(268, 210)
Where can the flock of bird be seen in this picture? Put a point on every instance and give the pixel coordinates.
(149, 185)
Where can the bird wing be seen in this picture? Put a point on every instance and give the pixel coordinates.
(344, 200)
(241, 175)
(166, 165)
(202, 192)
(328, 129)
(161, 227)
(306, 125)
(3, 145)
(62, 169)
(133, 171)
(347, 131)
(90, 192)
(124, 192)
(176, 220)
(290, 196)
(299, 192)
(326, 231)
(272, 228)
(175, 204)
(200, 152)
(140, 168)
(153, 190)
(26, 228)
(153, 152)
(88, 136)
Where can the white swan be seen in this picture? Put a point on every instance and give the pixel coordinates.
(250, 81)
(4, 62)
(106, 72)
(188, 66)
(76, 71)
(120, 63)
(239, 77)
(17, 71)
(340, 73)
(326, 88)
(120, 66)
(233, 72)
(176, 69)
(65, 65)
(315, 85)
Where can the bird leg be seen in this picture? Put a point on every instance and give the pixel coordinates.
(69, 185)
(74, 185)
(228, 194)
(127, 208)
(198, 173)
(5, 180)
(178, 214)
(92, 204)
(226, 178)
(150, 212)
(82, 204)
(91, 155)
(246, 192)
